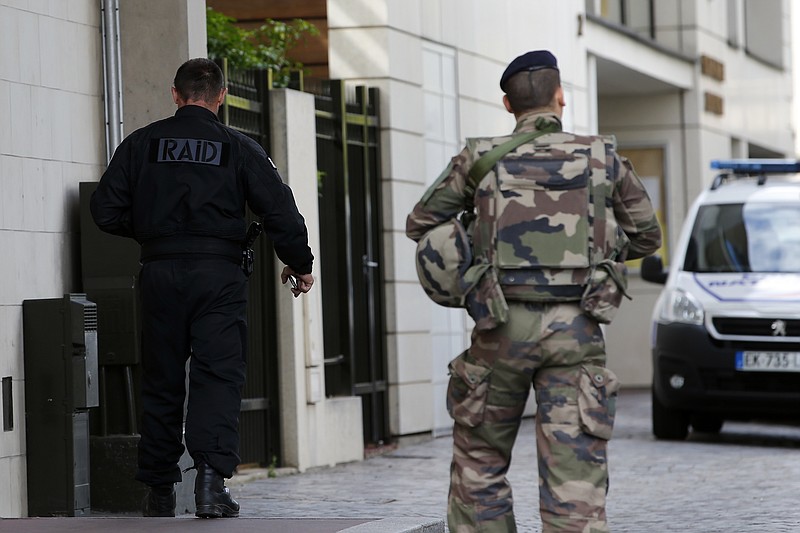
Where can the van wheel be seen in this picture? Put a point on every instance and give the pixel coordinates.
(669, 424)
(707, 423)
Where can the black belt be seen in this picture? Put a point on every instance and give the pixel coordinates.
(177, 247)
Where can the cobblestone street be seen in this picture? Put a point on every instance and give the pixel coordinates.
(745, 479)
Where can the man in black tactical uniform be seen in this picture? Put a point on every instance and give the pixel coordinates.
(179, 186)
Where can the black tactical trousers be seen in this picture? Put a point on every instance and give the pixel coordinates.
(191, 307)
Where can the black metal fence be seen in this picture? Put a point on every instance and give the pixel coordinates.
(246, 109)
(349, 261)
(348, 150)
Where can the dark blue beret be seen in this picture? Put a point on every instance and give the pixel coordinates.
(536, 60)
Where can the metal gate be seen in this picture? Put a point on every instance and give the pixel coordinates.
(350, 238)
(350, 258)
(245, 109)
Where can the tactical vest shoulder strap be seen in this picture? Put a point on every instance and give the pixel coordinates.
(488, 160)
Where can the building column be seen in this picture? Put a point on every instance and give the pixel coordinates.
(156, 37)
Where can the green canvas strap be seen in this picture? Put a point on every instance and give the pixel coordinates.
(488, 160)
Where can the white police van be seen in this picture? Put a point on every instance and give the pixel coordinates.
(726, 327)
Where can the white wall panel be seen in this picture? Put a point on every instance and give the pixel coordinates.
(412, 405)
(11, 200)
(357, 13)
(403, 196)
(20, 119)
(404, 15)
(400, 259)
(412, 354)
(401, 162)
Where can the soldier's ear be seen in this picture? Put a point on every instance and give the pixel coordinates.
(560, 98)
(507, 104)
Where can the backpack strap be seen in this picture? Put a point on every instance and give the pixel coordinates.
(488, 160)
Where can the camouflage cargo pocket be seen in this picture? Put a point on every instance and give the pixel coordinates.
(467, 390)
(604, 291)
(485, 301)
(597, 400)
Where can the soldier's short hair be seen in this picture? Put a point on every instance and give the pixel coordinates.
(535, 89)
(199, 79)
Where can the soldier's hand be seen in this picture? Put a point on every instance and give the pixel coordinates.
(301, 283)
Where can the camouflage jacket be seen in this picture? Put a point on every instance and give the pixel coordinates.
(536, 262)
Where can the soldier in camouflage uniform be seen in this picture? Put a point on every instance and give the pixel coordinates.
(542, 252)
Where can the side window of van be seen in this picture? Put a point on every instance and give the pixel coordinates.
(719, 241)
(774, 232)
(739, 238)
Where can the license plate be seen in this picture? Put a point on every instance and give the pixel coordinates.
(768, 361)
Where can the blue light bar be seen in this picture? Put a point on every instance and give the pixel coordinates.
(757, 165)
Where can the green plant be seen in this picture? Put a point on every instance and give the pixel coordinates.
(265, 47)
(271, 472)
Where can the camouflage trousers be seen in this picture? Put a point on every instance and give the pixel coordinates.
(561, 351)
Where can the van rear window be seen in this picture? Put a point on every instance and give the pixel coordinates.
(745, 238)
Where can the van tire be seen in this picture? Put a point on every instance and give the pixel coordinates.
(668, 424)
(707, 423)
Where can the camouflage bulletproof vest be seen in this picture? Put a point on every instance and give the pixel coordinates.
(545, 216)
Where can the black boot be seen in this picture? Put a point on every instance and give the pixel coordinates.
(159, 501)
(212, 499)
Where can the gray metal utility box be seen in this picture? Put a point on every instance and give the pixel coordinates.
(61, 384)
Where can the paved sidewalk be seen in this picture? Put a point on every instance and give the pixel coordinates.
(240, 525)
(744, 480)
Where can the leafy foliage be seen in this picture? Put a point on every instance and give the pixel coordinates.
(263, 48)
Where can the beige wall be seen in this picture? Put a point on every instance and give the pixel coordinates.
(152, 50)
(51, 138)
(645, 122)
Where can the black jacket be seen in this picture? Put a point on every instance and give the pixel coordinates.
(184, 181)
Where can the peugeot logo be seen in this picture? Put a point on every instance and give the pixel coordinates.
(778, 328)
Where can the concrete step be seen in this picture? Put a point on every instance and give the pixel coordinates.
(231, 525)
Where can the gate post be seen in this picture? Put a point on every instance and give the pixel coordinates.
(315, 431)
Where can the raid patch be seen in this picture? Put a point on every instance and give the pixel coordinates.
(199, 151)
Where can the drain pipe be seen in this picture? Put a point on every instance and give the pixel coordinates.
(112, 99)
(112, 74)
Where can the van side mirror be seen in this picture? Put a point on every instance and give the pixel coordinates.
(652, 269)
